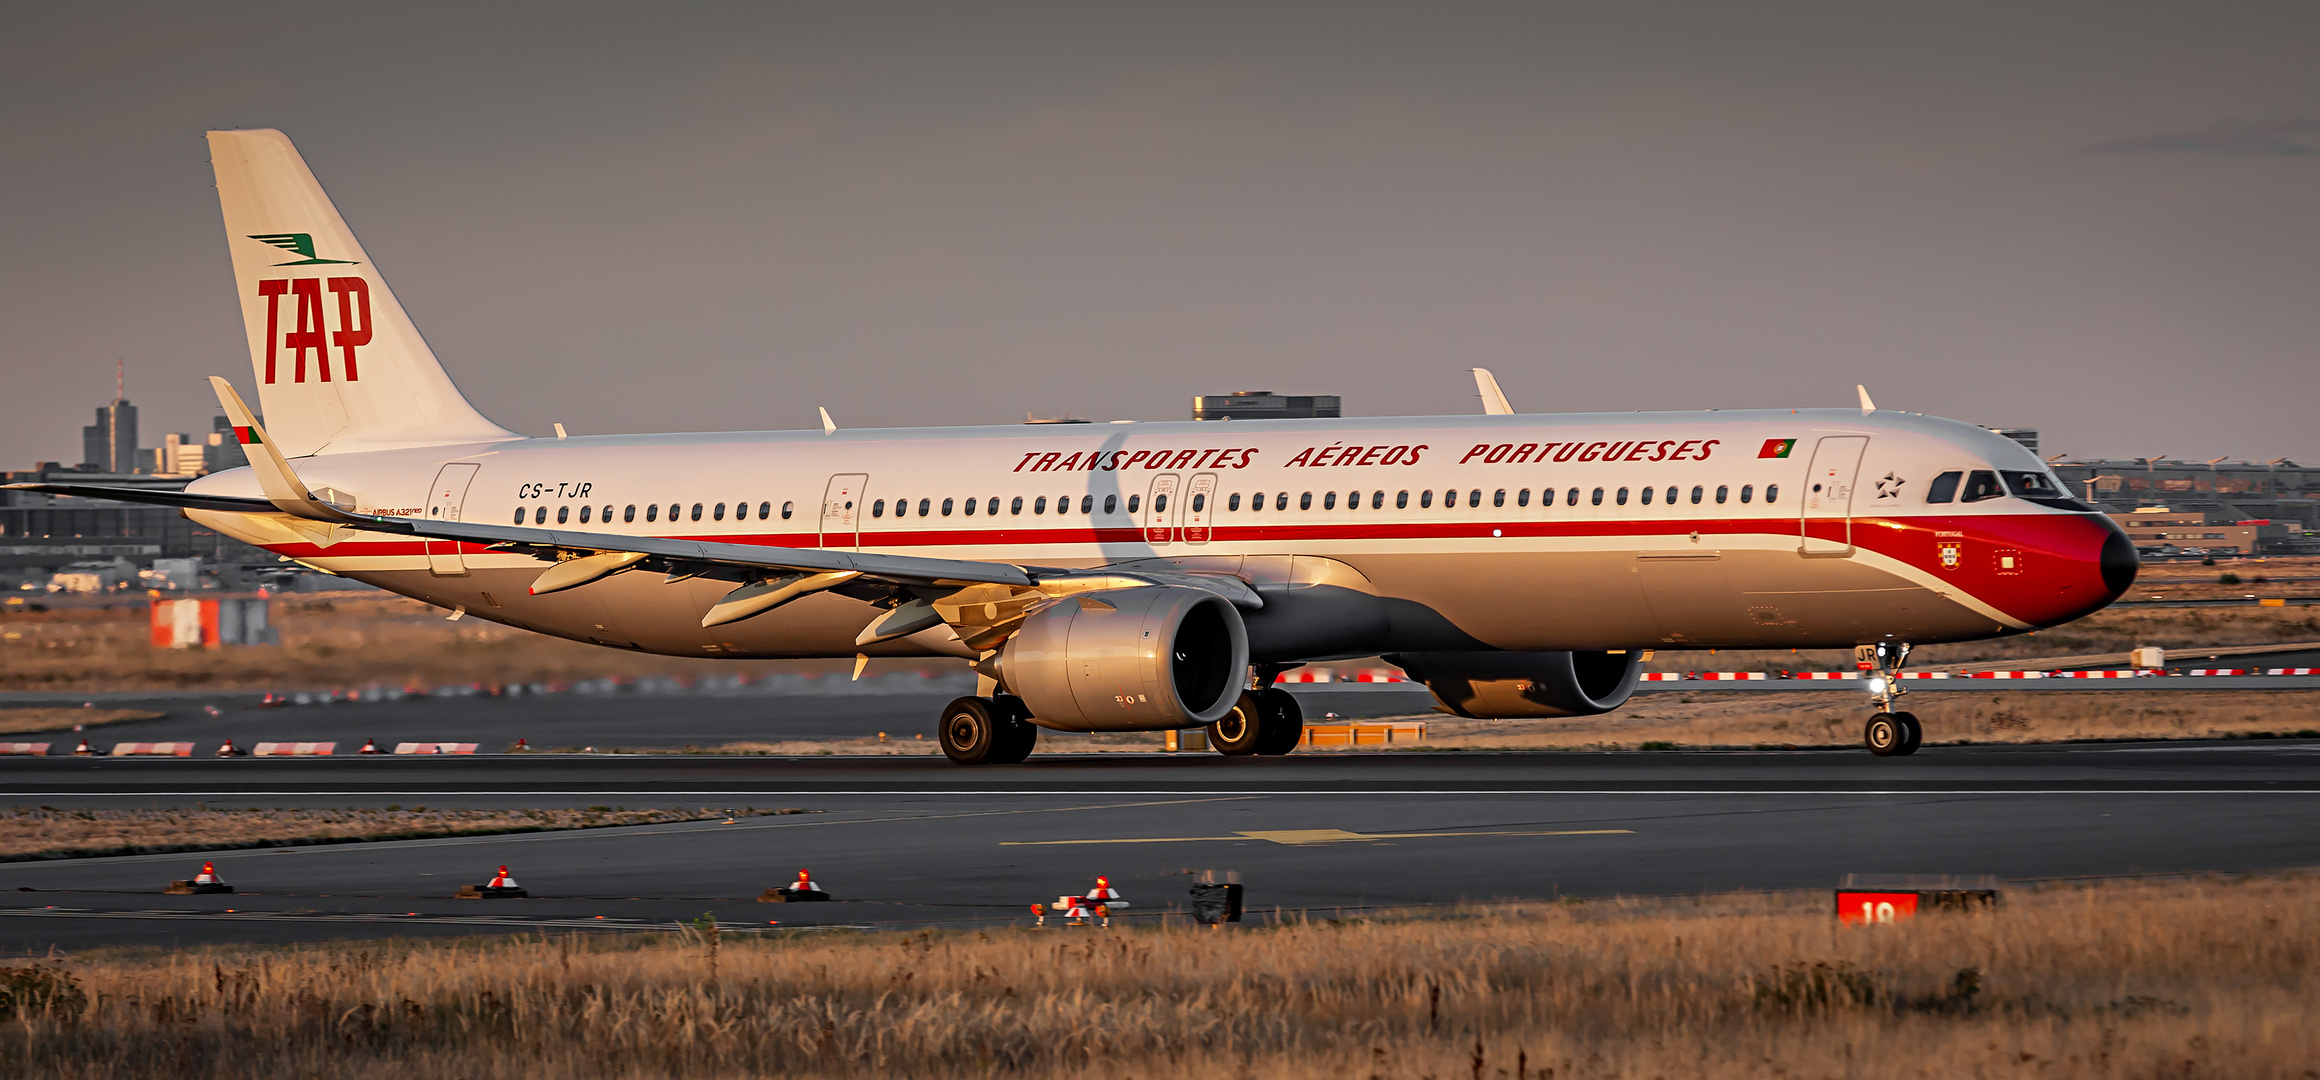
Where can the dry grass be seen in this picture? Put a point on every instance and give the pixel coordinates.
(44, 832)
(28, 721)
(2157, 979)
(1834, 718)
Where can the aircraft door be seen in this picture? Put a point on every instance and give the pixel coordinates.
(842, 511)
(444, 502)
(1160, 509)
(1199, 506)
(1827, 526)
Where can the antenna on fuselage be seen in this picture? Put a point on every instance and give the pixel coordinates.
(1867, 406)
(829, 426)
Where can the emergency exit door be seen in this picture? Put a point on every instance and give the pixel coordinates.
(444, 502)
(1161, 509)
(842, 511)
(1199, 506)
(1827, 528)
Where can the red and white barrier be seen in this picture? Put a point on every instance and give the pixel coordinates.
(435, 748)
(1825, 675)
(2007, 675)
(2216, 671)
(163, 749)
(1304, 675)
(1379, 675)
(1925, 675)
(294, 749)
(1732, 676)
(1661, 676)
(36, 749)
(2293, 671)
(2122, 673)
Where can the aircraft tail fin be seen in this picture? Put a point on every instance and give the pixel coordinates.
(339, 366)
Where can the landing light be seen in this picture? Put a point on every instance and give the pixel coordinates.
(1876, 684)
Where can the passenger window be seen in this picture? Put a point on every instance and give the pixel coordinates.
(1199, 502)
(1696, 493)
(1159, 504)
(1132, 501)
(652, 512)
(1523, 497)
(1571, 497)
(1622, 497)
(1722, 491)
(1039, 505)
(1474, 498)
(1305, 501)
(877, 509)
(902, 508)
(765, 510)
(719, 515)
(1353, 500)
(1402, 500)
(1377, 500)
(924, 503)
(519, 515)
(1499, 499)
(1233, 503)
(946, 508)
(607, 516)
(993, 507)
(1087, 504)
(696, 511)
(1671, 496)
(971, 505)
(786, 509)
(1426, 499)
(1771, 493)
(584, 515)
(1111, 504)
(563, 514)
(540, 516)
(1747, 491)
(1329, 500)
(1647, 496)
(1014, 508)
(1257, 501)
(1944, 487)
(1598, 496)
(1983, 484)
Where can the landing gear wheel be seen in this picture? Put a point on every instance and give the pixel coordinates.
(1913, 731)
(1239, 733)
(1016, 736)
(1283, 722)
(969, 731)
(1887, 735)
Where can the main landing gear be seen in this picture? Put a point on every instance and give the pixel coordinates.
(993, 730)
(1265, 721)
(1890, 733)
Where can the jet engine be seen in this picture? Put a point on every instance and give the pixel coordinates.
(1506, 685)
(1142, 659)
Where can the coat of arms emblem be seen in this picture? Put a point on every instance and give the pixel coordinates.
(1949, 556)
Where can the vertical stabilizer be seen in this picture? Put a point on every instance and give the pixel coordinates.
(338, 365)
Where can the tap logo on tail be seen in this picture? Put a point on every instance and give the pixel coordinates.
(298, 243)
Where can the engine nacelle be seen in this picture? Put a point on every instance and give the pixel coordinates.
(1143, 659)
(1506, 685)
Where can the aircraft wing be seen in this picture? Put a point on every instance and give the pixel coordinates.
(180, 499)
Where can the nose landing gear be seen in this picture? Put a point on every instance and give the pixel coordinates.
(1890, 733)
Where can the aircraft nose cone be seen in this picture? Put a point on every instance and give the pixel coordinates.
(2119, 563)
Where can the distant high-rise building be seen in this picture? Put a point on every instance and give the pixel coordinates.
(223, 451)
(110, 444)
(1262, 405)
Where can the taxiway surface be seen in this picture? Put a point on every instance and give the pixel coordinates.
(914, 841)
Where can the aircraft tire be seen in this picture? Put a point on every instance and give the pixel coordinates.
(969, 730)
(1283, 722)
(1886, 736)
(1913, 732)
(1240, 732)
(1017, 735)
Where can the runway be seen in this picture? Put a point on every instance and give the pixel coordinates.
(905, 842)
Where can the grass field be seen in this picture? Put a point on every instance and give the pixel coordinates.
(43, 832)
(2177, 978)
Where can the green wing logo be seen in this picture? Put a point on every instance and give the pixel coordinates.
(298, 243)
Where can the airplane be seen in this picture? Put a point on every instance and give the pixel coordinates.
(1129, 576)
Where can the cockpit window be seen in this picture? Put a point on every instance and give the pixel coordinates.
(1983, 484)
(2041, 488)
(1944, 487)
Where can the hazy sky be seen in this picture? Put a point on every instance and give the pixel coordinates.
(2101, 220)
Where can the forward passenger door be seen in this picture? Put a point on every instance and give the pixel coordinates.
(1827, 526)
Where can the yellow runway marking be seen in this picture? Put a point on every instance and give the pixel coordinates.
(1309, 836)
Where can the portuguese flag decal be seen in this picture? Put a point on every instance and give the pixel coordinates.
(1776, 448)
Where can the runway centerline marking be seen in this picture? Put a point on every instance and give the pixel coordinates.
(1311, 836)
